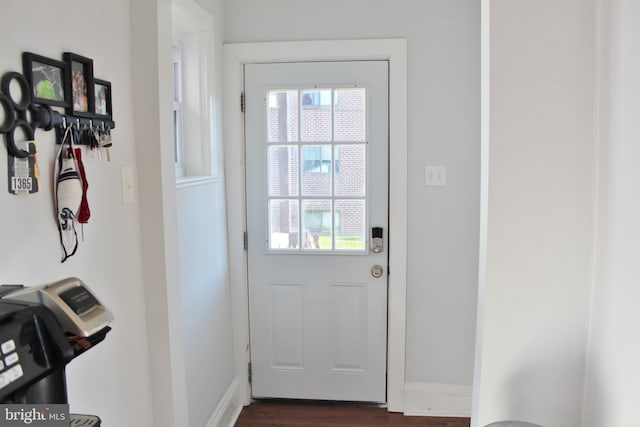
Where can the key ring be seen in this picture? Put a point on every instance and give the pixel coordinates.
(11, 143)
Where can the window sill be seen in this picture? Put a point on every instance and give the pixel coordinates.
(194, 181)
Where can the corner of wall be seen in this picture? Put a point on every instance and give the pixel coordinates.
(150, 31)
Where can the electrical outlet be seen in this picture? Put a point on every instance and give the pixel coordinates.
(435, 176)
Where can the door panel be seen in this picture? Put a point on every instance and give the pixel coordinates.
(348, 319)
(286, 326)
(317, 181)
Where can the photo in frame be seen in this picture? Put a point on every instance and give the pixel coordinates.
(102, 97)
(48, 79)
(80, 85)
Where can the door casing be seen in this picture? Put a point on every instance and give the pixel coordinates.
(392, 50)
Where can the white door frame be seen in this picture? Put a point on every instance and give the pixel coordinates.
(392, 50)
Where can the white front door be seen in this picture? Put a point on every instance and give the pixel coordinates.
(317, 192)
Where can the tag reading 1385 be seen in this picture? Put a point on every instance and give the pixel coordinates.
(19, 183)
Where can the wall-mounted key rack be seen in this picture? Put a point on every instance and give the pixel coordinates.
(29, 100)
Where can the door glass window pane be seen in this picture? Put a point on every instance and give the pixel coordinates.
(349, 115)
(316, 170)
(315, 115)
(283, 170)
(350, 170)
(317, 224)
(282, 116)
(350, 225)
(283, 224)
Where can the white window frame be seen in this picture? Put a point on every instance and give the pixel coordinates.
(178, 145)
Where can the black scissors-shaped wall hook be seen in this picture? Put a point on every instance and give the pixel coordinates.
(15, 112)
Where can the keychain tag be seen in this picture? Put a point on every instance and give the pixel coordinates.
(24, 175)
(106, 143)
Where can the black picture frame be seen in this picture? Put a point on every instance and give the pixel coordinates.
(48, 79)
(80, 85)
(102, 99)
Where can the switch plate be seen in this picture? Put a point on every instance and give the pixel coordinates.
(435, 175)
(128, 190)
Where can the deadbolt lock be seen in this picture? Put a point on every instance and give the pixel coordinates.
(376, 240)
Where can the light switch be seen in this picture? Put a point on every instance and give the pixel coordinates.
(435, 175)
(128, 190)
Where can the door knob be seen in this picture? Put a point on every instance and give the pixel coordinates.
(376, 271)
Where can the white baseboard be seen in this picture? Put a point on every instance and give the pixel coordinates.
(228, 410)
(437, 400)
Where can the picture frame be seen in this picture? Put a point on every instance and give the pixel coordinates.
(48, 79)
(102, 99)
(80, 85)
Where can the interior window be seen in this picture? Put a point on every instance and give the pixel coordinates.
(195, 138)
(178, 149)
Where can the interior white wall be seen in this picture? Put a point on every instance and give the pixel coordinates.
(443, 127)
(539, 137)
(206, 316)
(203, 261)
(613, 369)
(184, 235)
(111, 380)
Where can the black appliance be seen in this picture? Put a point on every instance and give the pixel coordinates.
(42, 329)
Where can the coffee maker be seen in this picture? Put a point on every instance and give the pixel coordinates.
(42, 329)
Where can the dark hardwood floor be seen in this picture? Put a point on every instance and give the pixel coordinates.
(312, 414)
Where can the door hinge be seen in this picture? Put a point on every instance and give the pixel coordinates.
(246, 240)
(242, 105)
(249, 372)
